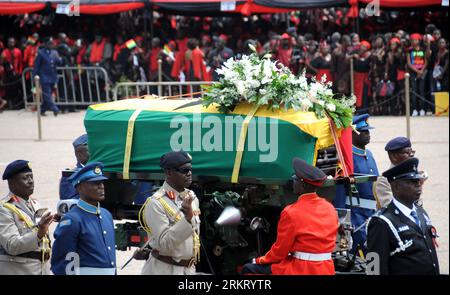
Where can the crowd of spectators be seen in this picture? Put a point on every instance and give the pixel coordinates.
(317, 42)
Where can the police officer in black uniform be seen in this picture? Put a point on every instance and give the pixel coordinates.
(401, 233)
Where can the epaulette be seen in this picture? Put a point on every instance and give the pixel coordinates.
(158, 194)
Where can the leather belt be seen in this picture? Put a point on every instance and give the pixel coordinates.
(171, 261)
(35, 255)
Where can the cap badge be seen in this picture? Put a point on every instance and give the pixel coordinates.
(29, 165)
(97, 170)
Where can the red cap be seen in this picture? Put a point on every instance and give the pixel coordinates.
(285, 36)
(416, 36)
(366, 44)
(395, 40)
(223, 37)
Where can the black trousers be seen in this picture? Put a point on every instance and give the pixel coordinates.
(252, 268)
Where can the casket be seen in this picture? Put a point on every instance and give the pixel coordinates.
(130, 136)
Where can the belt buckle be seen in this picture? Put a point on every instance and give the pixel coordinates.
(191, 262)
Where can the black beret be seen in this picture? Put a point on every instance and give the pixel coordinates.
(397, 143)
(16, 167)
(308, 173)
(406, 170)
(174, 159)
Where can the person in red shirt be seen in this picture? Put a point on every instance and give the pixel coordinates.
(194, 63)
(2, 81)
(307, 231)
(13, 56)
(153, 56)
(284, 50)
(30, 51)
(13, 66)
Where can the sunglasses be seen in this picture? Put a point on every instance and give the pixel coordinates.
(183, 170)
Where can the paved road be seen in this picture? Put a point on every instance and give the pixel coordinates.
(18, 134)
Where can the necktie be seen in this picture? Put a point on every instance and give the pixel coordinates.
(415, 217)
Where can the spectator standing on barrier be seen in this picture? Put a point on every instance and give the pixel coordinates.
(402, 234)
(13, 63)
(361, 65)
(440, 70)
(417, 66)
(45, 67)
(219, 55)
(66, 189)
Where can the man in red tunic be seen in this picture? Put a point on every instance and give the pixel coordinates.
(307, 231)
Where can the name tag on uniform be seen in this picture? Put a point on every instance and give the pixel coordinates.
(403, 228)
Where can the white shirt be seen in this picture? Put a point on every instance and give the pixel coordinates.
(405, 210)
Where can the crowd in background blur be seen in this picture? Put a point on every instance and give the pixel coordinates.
(321, 43)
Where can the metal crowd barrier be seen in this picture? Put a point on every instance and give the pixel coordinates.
(124, 90)
(76, 86)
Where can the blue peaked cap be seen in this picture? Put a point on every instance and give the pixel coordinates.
(90, 172)
(361, 122)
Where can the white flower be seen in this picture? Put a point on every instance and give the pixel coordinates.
(240, 87)
(262, 91)
(331, 107)
(321, 102)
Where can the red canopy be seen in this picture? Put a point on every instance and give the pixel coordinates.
(404, 3)
(19, 8)
(245, 7)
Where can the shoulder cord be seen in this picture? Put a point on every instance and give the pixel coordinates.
(45, 240)
(401, 245)
(177, 217)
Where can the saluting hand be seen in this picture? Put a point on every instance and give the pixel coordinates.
(186, 207)
(44, 224)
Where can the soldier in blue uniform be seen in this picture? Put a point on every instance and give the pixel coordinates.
(84, 238)
(362, 203)
(402, 233)
(66, 189)
(45, 65)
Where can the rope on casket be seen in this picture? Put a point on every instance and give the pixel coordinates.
(240, 147)
(129, 144)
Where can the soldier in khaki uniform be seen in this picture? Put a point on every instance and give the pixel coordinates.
(171, 218)
(24, 242)
(399, 150)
